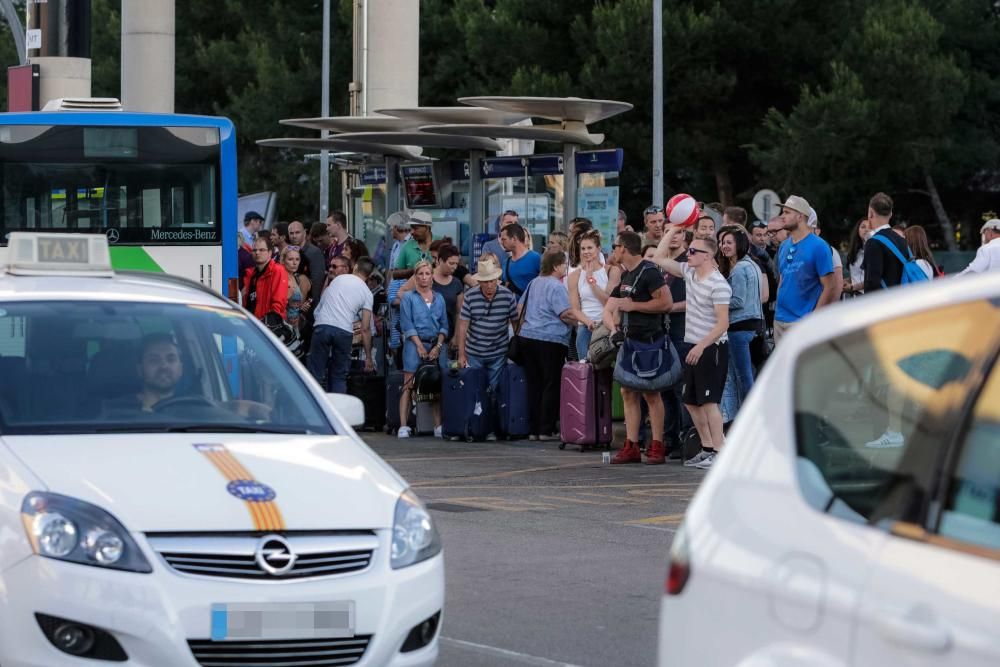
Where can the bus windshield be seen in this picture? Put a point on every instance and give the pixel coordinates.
(138, 185)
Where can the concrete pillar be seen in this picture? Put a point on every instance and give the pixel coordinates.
(62, 49)
(148, 28)
(62, 77)
(391, 55)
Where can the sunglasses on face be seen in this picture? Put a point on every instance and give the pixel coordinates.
(698, 251)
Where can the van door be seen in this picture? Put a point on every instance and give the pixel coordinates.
(934, 595)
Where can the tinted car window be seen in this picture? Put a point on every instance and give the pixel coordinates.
(95, 367)
(909, 375)
(972, 509)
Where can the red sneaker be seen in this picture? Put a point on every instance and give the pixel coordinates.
(656, 453)
(629, 453)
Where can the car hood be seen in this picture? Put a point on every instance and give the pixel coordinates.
(196, 482)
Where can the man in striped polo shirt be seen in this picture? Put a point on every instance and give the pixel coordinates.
(705, 325)
(484, 323)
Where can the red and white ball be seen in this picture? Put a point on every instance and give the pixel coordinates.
(682, 210)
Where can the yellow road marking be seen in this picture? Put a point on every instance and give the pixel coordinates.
(459, 484)
(500, 475)
(501, 504)
(666, 519)
(606, 501)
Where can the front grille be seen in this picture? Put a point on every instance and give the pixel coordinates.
(280, 653)
(236, 557)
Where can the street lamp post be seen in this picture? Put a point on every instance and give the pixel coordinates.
(324, 156)
(658, 102)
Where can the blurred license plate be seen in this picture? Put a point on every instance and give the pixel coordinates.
(282, 620)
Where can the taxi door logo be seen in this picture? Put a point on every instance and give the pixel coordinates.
(257, 496)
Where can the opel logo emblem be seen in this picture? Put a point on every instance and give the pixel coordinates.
(274, 555)
(112, 235)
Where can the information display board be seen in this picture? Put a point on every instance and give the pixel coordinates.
(420, 186)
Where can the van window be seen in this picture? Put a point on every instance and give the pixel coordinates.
(876, 407)
(972, 509)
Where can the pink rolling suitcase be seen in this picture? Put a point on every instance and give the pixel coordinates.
(585, 406)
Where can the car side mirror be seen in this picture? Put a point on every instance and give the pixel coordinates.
(350, 408)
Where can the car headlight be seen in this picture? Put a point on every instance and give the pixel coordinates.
(68, 529)
(414, 537)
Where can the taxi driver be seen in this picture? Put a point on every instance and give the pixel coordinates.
(160, 370)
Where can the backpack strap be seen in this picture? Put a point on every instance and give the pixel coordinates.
(895, 251)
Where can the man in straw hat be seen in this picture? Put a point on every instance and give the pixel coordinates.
(484, 323)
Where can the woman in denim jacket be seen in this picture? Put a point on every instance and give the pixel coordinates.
(746, 315)
(424, 323)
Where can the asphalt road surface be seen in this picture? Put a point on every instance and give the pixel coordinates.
(552, 558)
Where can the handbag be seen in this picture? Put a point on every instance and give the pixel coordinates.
(515, 348)
(602, 351)
(647, 366)
(650, 366)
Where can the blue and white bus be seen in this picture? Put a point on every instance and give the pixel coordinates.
(162, 187)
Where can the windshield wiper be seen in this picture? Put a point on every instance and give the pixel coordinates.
(198, 428)
(229, 428)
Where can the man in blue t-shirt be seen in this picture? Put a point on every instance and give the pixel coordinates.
(805, 264)
(523, 265)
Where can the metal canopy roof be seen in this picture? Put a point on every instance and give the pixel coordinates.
(424, 139)
(461, 115)
(552, 133)
(554, 108)
(353, 123)
(343, 144)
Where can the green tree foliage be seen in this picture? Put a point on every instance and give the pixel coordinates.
(833, 100)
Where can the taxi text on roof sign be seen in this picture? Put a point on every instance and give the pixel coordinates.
(58, 254)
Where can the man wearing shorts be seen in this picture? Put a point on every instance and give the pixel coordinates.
(705, 325)
(643, 298)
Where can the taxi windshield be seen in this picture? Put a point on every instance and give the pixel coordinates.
(128, 367)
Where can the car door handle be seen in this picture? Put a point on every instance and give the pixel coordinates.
(921, 634)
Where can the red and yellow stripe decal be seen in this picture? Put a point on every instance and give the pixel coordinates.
(263, 511)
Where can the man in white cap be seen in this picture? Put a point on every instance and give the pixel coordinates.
(484, 322)
(805, 266)
(399, 226)
(988, 255)
(417, 248)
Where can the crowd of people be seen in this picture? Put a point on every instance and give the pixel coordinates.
(716, 297)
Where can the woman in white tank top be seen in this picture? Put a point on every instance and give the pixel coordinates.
(588, 290)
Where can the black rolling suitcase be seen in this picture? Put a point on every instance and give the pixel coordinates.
(393, 391)
(370, 388)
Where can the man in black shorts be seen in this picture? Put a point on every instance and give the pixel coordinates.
(641, 299)
(705, 325)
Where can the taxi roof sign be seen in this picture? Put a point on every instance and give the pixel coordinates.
(38, 254)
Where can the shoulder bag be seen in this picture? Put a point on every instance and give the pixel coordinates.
(646, 366)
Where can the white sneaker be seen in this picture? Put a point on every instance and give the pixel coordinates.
(887, 440)
(404, 432)
(707, 462)
(696, 459)
(438, 433)
(492, 437)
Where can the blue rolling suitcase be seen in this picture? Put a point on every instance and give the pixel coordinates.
(512, 403)
(466, 404)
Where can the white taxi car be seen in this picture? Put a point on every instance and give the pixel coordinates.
(818, 541)
(175, 490)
